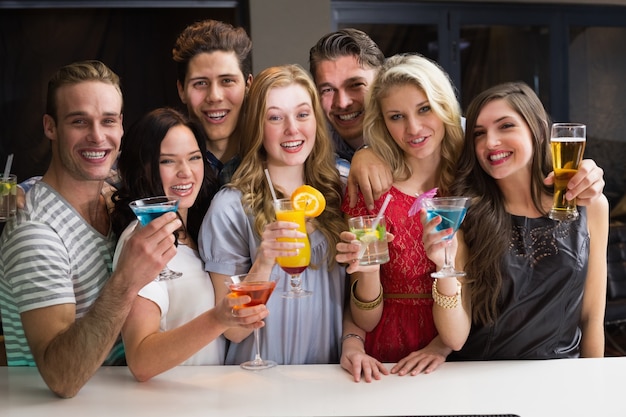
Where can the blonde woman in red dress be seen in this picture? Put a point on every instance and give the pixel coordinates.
(413, 122)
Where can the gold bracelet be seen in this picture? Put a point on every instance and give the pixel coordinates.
(365, 306)
(447, 301)
(349, 335)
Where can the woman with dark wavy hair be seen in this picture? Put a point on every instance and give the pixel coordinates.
(535, 287)
(176, 321)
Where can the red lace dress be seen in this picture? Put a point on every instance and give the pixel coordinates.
(407, 323)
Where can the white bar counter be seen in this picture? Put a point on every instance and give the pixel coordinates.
(566, 387)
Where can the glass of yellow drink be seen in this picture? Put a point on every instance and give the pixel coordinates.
(294, 265)
(8, 197)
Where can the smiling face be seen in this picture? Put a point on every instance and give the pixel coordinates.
(181, 165)
(502, 140)
(410, 120)
(88, 130)
(214, 91)
(289, 128)
(343, 85)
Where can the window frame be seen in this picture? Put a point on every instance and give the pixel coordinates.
(450, 17)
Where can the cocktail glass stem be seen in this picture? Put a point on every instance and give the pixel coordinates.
(257, 358)
(448, 269)
(296, 283)
(447, 264)
(296, 290)
(257, 363)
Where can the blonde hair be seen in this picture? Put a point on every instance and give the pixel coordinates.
(319, 168)
(425, 74)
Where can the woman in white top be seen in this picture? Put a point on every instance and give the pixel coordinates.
(176, 321)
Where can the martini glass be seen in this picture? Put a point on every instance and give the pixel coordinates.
(148, 209)
(259, 291)
(452, 212)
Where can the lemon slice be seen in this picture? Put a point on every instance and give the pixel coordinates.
(308, 199)
(370, 236)
(5, 189)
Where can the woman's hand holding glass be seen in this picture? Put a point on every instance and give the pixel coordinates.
(258, 287)
(271, 248)
(232, 313)
(148, 250)
(348, 251)
(588, 183)
(298, 260)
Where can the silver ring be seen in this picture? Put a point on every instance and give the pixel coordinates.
(232, 311)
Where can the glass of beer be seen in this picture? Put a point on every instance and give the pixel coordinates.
(567, 141)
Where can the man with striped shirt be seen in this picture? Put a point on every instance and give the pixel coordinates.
(61, 305)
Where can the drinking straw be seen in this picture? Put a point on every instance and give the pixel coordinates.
(269, 181)
(7, 167)
(381, 212)
(379, 216)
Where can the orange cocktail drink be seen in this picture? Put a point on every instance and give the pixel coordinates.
(295, 264)
(258, 291)
(302, 257)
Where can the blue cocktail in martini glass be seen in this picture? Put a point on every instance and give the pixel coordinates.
(452, 212)
(148, 209)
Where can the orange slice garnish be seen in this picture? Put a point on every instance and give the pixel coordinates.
(308, 199)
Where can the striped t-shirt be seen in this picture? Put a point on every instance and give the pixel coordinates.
(49, 256)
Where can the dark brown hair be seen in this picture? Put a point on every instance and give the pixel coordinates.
(210, 36)
(346, 42)
(487, 226)
(138, 166)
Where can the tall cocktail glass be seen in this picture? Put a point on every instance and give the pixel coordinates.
(296, 264)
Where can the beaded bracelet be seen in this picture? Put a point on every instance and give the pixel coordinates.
(369, 305)
(349, 335)
(447, 301)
